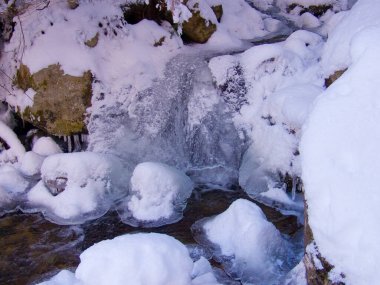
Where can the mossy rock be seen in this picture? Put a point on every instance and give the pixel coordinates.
(197, 29)
(333, 77)
(60, 101)
(316, 10)
(218, 11)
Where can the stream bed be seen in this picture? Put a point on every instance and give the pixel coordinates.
(34, 249)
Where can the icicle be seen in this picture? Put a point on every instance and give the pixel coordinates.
(65, 138)
(77, 144)
(294, 188)
(69, 146)
(84, 138)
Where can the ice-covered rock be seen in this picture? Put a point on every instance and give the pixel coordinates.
(77, 186)
(137, 259)
(250, 247)
(46, 146)
(158, 195)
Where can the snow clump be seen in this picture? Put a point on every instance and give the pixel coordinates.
(158, 195)
(137, 259)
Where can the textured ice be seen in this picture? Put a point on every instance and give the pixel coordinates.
(77, 186)
(157, 196)
(250, 248)
(137, 259)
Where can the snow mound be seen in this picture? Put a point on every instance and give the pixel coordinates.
(340, 152)
(12, 187)
(249, 246)
(46, 146)
(158, 195)
(77, 186)
(137, 259)
(31, 163)
(16, 150)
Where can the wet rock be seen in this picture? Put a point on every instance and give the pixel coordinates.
(57, 185)
(60, 101)
(333, 77)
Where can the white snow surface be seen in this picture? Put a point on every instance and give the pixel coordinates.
(138, 259)
(158, 194)
(339, 149)
(253, 246)
(12, 185)
(16, 150)
(46, 146)
(31, 163)
(90, 181)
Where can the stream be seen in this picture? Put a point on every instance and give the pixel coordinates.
(34, 249)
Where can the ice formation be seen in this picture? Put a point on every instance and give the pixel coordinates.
(157, 196)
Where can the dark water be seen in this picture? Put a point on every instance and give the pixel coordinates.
(32, 248)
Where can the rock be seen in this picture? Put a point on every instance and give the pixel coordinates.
(317, 267)
(57, 185)
(330, 80)
(197, 29)
(60, 101)
(316, 10)
(93, 41)
(218, 11)
(73, 4)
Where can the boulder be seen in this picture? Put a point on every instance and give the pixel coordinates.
(197, 29)
(60, 101)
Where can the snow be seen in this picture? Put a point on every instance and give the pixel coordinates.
(77, 186)
(158, 195)
(12, 187)
(31, 163)
(297, 276)
(138, 259)
(250, 247)
(17, 150)
(46, 146)
(339, 149)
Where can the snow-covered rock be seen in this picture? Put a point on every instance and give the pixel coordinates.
(137, 259)
(77, 186)
(249, 246)
(31, 163)
(46, 146)
(340, 151)
(158, 195)
(272, 87)
(12, 187)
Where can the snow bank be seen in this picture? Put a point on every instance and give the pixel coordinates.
(138, 259)
(250, 247)
(339, 148)
(158, 195)
(77, 186)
